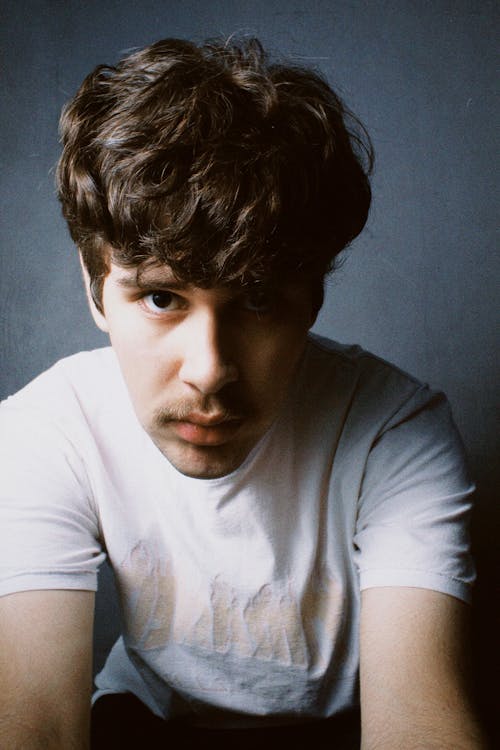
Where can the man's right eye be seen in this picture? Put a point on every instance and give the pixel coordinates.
(160, 301)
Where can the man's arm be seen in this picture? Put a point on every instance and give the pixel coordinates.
(46, 669)
(413, 681)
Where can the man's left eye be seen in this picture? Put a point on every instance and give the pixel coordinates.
(258, 301)
(161, 300)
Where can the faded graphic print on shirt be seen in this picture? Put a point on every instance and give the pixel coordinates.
(283, 622)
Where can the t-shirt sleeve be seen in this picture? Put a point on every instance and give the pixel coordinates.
(49, 535)
(412, 525)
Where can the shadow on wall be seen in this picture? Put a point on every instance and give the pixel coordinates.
(486, 612)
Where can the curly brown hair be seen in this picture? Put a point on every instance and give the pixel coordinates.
(209, 158)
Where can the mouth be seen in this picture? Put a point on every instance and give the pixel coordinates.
(207, 430)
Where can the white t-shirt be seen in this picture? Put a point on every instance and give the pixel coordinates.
(240, 595)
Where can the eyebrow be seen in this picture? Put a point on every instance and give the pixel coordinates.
(157, 281)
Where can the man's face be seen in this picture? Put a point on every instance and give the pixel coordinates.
(207, 369)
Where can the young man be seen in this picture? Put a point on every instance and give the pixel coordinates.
(285, 516)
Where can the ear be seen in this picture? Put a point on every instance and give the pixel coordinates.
(98, 316)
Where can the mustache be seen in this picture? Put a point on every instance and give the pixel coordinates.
(181, 411)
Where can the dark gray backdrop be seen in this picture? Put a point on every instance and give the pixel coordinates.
(419, 287)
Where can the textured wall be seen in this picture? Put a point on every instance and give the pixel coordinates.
(418, 287)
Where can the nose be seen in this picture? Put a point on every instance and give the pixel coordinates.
(205, 364)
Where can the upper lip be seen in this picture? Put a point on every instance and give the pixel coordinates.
(209, 420)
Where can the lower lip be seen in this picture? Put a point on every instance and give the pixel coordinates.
(198, 434)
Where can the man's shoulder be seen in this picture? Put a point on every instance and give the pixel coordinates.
(357, 364)
(349, 380)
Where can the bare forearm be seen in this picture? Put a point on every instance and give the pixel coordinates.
(24, 734)
(414, 735)
(415, 685)
(46, 670)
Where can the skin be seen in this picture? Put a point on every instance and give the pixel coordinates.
(46, 669)
(414, 674)
(207, 369)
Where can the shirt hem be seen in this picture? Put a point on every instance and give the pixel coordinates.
(55, 581)
(416, 579)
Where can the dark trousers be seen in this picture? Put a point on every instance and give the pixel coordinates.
(122, 722)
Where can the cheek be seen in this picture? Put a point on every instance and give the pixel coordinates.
(140, 363)
(132, 342)
(273, 363)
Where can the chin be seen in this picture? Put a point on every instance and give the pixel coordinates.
(204, 462)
